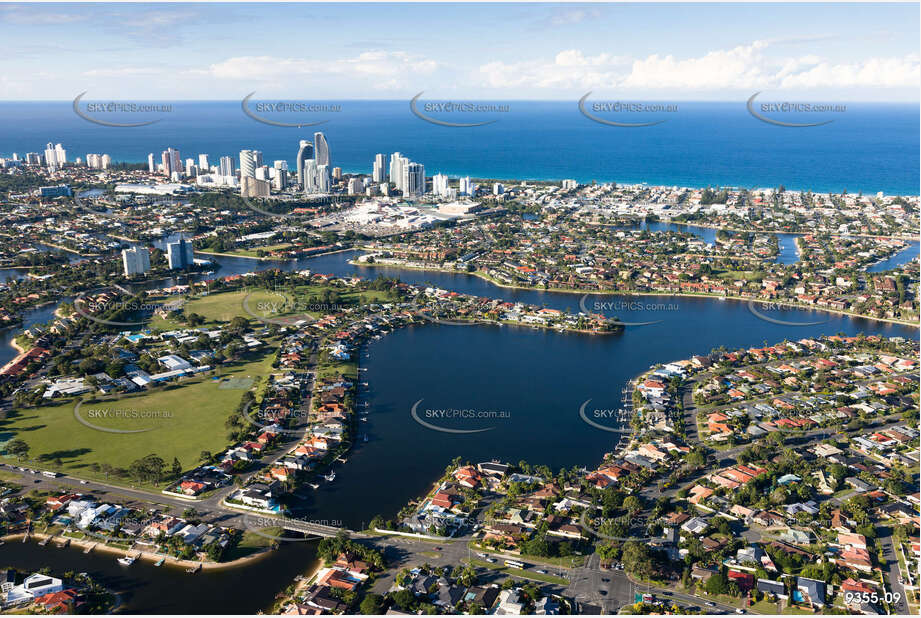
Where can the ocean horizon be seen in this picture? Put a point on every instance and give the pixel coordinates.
(868, 147)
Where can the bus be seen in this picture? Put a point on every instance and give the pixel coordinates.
(50, 474)
(514, 564)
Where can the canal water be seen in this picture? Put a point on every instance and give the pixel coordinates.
(905, 255)
(146, 589)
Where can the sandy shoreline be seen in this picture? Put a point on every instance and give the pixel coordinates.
(146, 556)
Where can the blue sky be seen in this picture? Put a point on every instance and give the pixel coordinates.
(851, 52)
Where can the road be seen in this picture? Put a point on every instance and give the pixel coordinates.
(892, 571)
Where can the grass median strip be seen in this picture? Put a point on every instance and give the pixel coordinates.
(541, 577)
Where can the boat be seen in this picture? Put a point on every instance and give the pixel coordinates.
(331, 476)
(126, 560)
(314, 485)
(160, 562)
(194, 569)
(365, 438)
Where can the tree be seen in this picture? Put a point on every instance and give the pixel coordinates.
(18, 448)
(717, 584)
(696, 458)
(372, 604)
(404, 599)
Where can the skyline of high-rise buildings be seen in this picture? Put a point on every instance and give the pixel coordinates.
(406, 176)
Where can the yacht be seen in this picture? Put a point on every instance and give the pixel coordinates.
(126, 560)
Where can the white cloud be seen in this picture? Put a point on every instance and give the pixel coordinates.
(740, 67)
(745, 67)
(872, 73)
(29, 16)
(124, 72)
(384, 70)
(569, 69)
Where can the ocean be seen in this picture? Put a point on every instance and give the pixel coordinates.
(868, 148)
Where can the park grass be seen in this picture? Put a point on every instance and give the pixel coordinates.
(256, 252)
(251, 543)
(221, 307)
(196, 410)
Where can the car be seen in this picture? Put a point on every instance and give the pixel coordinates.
(84, 482)
(490, 560)
(541, 571)
(605, 579)
(37, 481)
(437, 549)
(481, 555)
(710, 604)
(739, 610)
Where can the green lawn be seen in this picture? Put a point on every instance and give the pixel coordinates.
(224, 306)
(192, 420)
(764, 607)
(254, 251)
(550, 579)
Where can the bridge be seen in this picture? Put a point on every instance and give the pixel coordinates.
(293, 524)
(314, 529)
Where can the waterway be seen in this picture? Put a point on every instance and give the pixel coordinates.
(146, 589)
(524, 386)
(901, 257)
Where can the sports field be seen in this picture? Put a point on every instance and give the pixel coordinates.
(179, 421)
